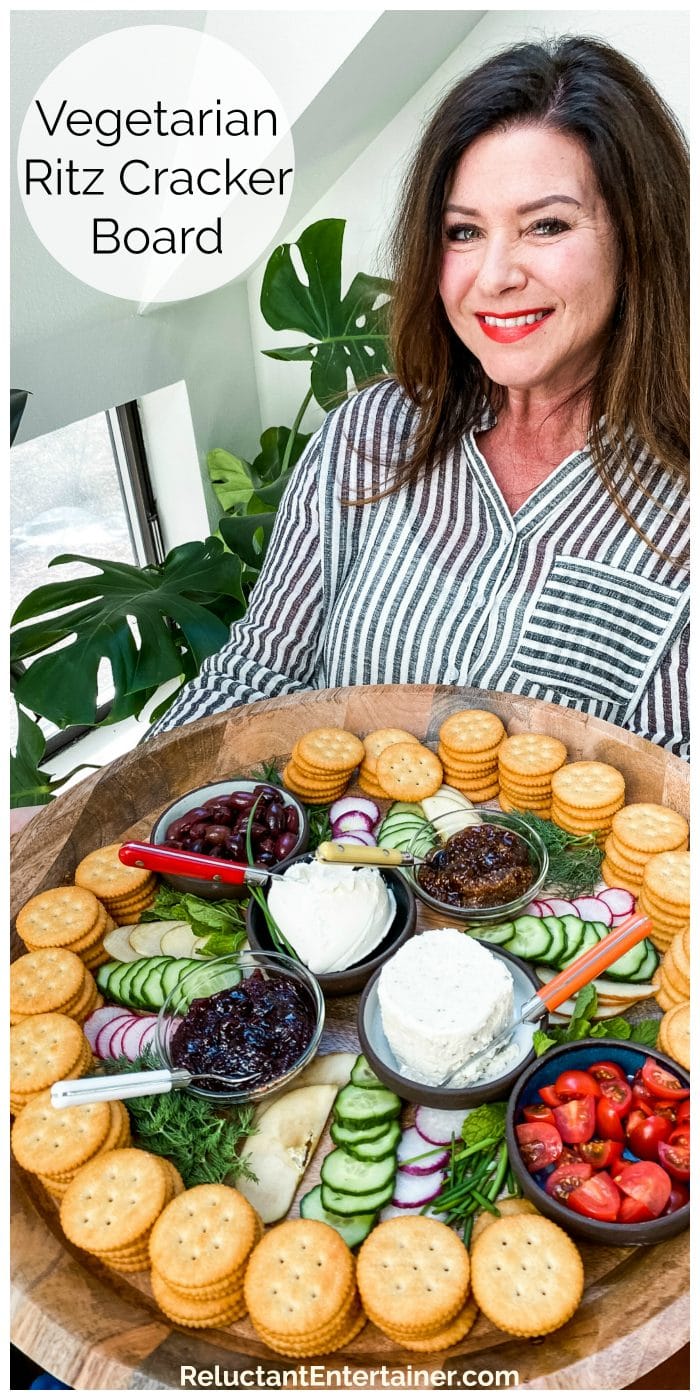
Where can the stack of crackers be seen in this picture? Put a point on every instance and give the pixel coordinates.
(408, 772)
(375, 743)
(199, 1249)
(586, 796)
(665, 895)
(44, 1049)
(672, 978)
(52, 979)
(113, 1202)
(468, 746)
(55, 1143)
(66, 917)
(301, 1290)
(124, 890)
(674, 1033)
(526, 766)
(413, 1277)
(527, 1275)
(639, 832)
(322, 764)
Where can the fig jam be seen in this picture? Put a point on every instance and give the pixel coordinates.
(257, 1029)
(478, 868)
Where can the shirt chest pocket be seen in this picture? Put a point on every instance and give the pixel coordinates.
(596, 633)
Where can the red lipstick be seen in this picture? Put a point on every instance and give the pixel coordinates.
(505, 334)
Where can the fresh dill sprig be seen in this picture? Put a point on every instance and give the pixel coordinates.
(319, 826)
(574, 861)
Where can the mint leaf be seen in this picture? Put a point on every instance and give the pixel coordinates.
(617, 1028)
(485, 1122)
(541, 1042)
(645, 1033)
(586, 1003)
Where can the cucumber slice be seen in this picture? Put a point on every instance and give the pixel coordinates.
(624, 968)
(492, 933)
(414, 808)
(602, 930)
(138, 984)
(588, 940)
(340, 1203)
(531, 938)
(105, 972)
(349, 1137)
(350, 1176)
(363, 1108)
(573, 928)
(170, 974)
(352, 1228)
(121, 983)
(646, 969)
(151, 990)
(558, 945)
(376, 1148)
(362, 1075)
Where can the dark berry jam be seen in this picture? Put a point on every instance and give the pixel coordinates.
(257, 1029)
(478, 868)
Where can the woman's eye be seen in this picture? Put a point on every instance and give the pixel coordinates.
(461, 233)
(549, 226)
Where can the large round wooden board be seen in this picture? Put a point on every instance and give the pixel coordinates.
(99, 1330)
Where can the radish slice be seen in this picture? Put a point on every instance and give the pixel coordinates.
(619, 902)
(416, 1190)
(440, 1125)
(97, 1019)
(535, 909)
(116, 1040)
(351, 821)
(354, 804)
(620, 918)
(413, 1145)
(131, 1039)
(560, 907)
(546, 908)
(104, 1036)
(391, 1213)
(358, 838)
(148, 1037)
(594, 911)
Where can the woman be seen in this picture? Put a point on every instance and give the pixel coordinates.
(509, 511)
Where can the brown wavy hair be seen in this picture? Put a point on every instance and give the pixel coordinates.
(588, 90)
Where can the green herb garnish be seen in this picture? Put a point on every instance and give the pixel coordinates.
(478, 1169)
(574, 861)
(198, 1139)
(221, 923)
(319, 826)
(582, 1027)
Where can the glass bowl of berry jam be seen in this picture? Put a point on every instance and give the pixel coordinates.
(244, 1024)
(487, 872)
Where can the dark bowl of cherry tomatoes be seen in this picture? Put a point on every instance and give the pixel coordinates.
(599, 1140)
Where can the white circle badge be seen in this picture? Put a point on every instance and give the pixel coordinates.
(155, 163)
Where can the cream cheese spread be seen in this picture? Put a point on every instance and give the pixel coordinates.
(334, 916)
(442, 997)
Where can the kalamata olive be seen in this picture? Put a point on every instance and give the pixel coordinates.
(264, 790)
(240, 801)
(199, 830)
(267, 844)
(266, 858)
(284, 845)
(175, 845)
(215, 851)
(216, 835)
(257, 831)
(212, 802)
(178, 829)
(275, 818)
(221, 814)
(196, 847)
(291, 819)
(235, 847)
(199, 814)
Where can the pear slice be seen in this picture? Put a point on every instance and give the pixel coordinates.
(323, 1069)
(281, 1149)
(117, 943)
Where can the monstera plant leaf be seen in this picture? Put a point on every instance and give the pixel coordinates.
(345, 332)
(239, 485)
(248, 535)
(151, 624)
(30, 785)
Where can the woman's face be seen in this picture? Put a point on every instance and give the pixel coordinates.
(526, 234)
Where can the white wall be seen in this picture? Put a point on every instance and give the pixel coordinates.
(658, 41)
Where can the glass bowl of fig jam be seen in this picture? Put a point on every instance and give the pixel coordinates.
(483, 873)
(251, 1021)
(213, 820)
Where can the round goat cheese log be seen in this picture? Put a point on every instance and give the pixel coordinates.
(442, 997)
(334, 916)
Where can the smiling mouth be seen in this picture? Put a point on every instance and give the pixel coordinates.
(523, 318)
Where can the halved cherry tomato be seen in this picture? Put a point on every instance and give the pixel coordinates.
(646, 1182)
(569, 1154)
(540, 1144)
(575, 1120)
(683, 1111)
(665, 1109)
(576, 1084)
(661, 1082)
(538, 1113)
(598, 1198)
(606, 1069)
(637, 1116)
(550, 1096)
(633, 1212)
(675, 1157)
(645, 1135)
(641, 1096)
(618, 1094)
(601, 1152)
(678, 1197)
(565, 1178)
(680, 1135)
(608, 1121)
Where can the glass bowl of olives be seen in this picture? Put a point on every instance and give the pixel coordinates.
(213, 821)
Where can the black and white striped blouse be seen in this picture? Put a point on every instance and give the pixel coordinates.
(439, 583)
